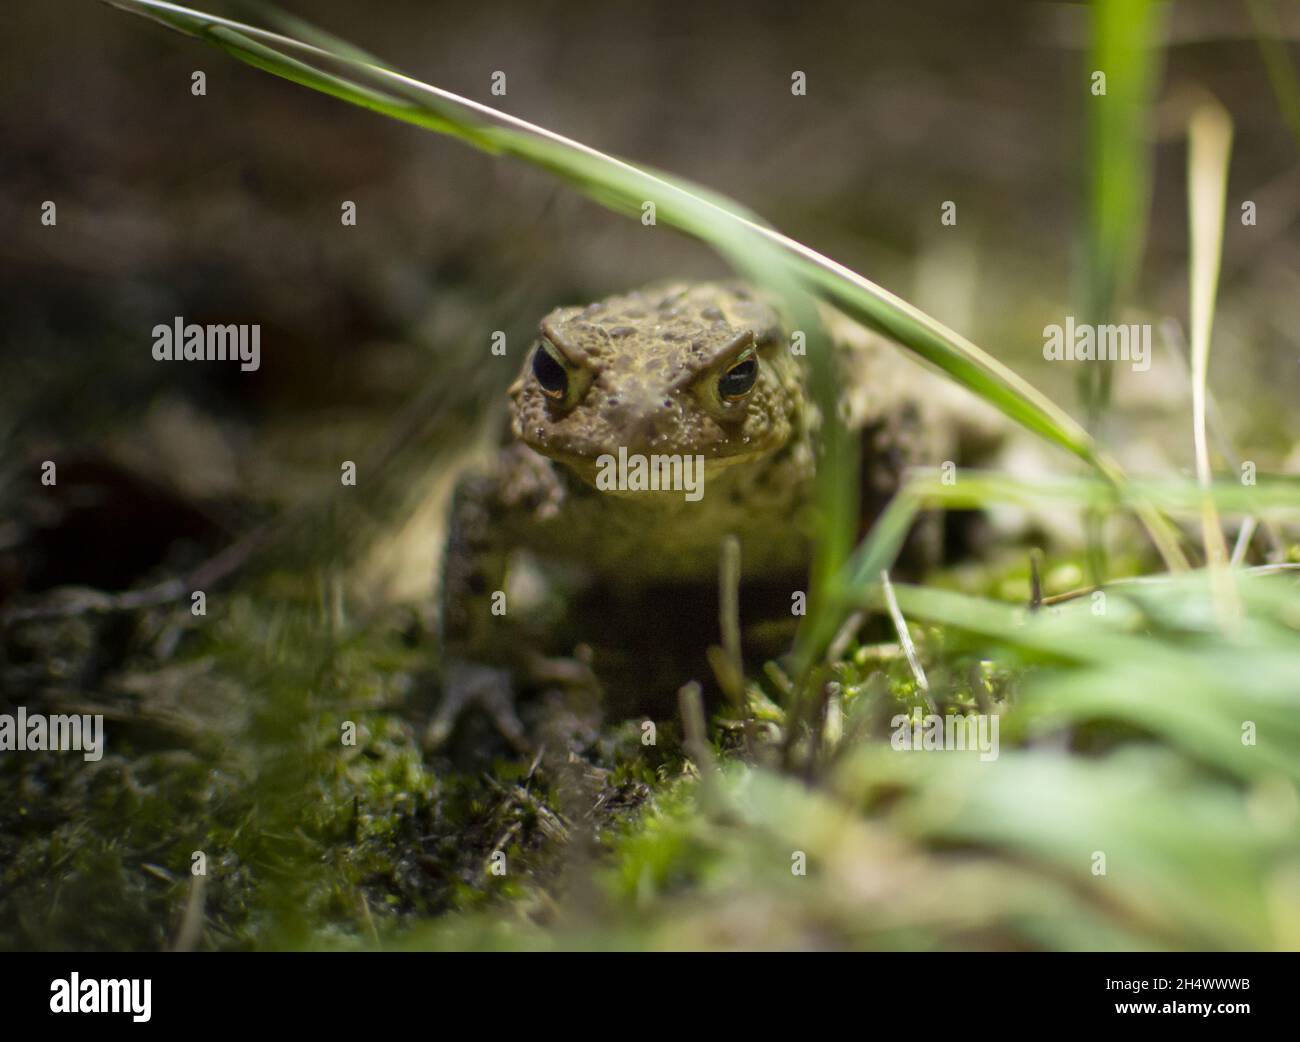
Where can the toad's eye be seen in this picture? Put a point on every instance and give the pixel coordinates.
(550, 372)
(738, 381)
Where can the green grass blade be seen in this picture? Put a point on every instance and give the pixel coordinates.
(1118, 164)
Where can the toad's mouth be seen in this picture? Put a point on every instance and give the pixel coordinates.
(622, 470)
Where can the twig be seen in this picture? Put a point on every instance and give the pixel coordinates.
(840, 643)
(1244, 537)
(905, 639)
(85, 601)
(690, 701)
(1035, 579)
(1156, 580)
(1172, 334)
(192, 923)
(728, 665)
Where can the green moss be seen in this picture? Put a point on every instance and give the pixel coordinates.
(234, 746)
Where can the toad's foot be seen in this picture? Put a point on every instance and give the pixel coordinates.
(470, 684)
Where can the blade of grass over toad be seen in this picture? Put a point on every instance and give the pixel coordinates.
(624, 187)
(1209, 146)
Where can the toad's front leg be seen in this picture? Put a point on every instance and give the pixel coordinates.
(487, 651)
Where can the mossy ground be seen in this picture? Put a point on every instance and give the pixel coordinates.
(226, 737)
(232, 745)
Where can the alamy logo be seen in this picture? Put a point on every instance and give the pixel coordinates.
(1081, 342)
(212, 343)
(949, 733)
(656, 473)
(92, 995)
(37, 732)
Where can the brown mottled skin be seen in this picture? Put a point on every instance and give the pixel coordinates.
(643, 372)
(653, 361)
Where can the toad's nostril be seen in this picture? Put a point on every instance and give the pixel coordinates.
(642, 428)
